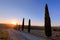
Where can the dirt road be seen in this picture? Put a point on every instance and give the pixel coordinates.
(17, 35)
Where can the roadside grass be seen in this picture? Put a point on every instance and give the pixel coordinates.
(41, 33)
(3, 35)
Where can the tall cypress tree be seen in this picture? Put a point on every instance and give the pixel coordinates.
(23, 24)
(48, 31)
(29, 26)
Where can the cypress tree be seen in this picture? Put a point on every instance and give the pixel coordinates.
(48, 31)
(15, 27)
(18, 27)
(29, 26)
(23, 24)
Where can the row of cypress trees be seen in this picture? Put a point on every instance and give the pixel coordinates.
(17, 27)
(47, 25)
(29, 25)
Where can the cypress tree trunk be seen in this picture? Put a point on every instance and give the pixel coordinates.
(23, 25)
(48, 31)
(29, 26)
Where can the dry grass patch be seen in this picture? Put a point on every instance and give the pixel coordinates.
(41, 33)
(3, 35)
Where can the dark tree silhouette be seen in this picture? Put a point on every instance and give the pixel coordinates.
(15, 27)
(29, 26)
(23, 24)
(18, 27)
(48, 31)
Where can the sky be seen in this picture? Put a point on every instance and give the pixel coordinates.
(16, 10)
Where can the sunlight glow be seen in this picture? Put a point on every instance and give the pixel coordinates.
(14, 23)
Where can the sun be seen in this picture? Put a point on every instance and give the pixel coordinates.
(14, 23)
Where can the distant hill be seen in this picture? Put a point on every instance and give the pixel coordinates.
(40, 27)
(6, 26)
(55, 28)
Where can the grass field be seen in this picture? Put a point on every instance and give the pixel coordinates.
(41, 33)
